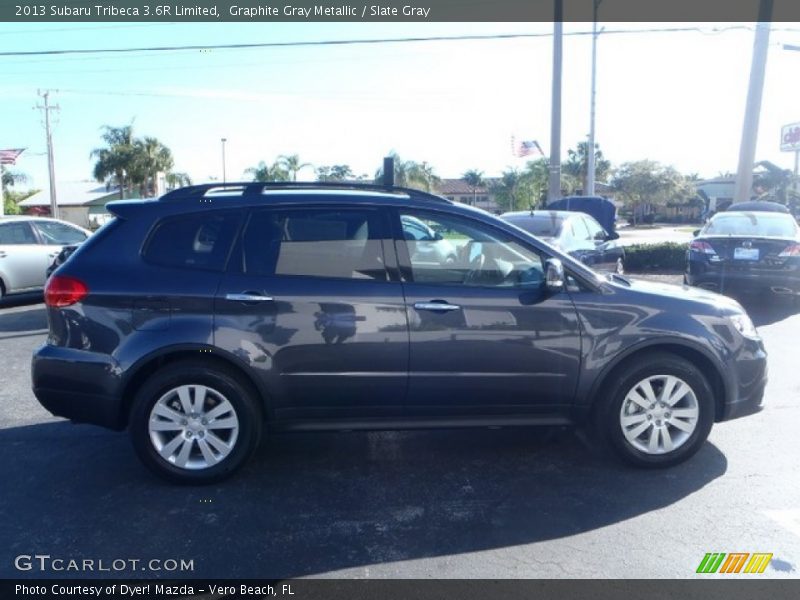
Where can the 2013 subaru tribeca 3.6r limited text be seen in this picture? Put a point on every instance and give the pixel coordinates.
(201, 319)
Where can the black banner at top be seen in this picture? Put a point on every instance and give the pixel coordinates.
(395, 10)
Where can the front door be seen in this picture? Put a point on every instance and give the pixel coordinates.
(23, 260)
(486, 337)
(311, 305)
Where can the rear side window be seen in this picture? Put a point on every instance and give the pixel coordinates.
(344, 244)
(16, 233)
(199, 241)
(58, 234)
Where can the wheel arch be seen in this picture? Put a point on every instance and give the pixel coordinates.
(696, 355)
(145, 367)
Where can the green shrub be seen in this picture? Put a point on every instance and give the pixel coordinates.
(668, 256)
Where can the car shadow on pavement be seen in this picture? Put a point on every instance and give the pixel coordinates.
(33, 319)
(765, 309)
(310, 504)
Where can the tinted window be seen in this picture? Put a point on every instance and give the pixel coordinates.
(470, 253)
(315, 243)
(16, 233)
(539, 225)
(764, 224)
(199, 241)
(594, 228)
(578, 229)
(58, 234)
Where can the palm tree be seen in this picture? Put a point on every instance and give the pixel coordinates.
(773, 180)
(12, 178)
(335, 173)
(152, 158)
(116, 160)
(474, 180)
(507, 189)
(177, 180)
(577, 165)
(409, 173)
(292, 164)
(264, 172)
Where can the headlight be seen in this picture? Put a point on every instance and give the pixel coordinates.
(744, 325)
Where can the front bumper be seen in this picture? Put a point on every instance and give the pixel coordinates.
(748, 379)
(81, 386)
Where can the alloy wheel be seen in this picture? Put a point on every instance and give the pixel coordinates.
(659, 414)
(193, 427)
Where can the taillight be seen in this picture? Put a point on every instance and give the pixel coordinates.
(63, 291)
(702, 247)
(790, 250)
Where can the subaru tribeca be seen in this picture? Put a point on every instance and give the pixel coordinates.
(205, 318)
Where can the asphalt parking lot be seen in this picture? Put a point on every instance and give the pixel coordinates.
(479, 503)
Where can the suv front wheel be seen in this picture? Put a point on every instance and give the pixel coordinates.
(659, 412)
(195, 422)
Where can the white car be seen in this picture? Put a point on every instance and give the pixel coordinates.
(27, 247)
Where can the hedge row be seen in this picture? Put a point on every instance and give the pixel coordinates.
(665, 256)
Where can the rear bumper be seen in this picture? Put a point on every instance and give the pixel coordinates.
(719, 278)
(78, 385)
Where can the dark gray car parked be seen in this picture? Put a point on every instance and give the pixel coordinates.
(215, 314)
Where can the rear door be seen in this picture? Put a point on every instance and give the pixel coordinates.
(23, 261)
(486, 338)
(313, 304)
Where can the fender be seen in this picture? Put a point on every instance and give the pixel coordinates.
(588, 398)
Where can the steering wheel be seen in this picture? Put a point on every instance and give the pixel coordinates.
(475, 268)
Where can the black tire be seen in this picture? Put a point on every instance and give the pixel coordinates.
(609, 407)
(226, 382)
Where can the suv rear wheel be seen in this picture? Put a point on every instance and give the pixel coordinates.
(659, 412)
(193, 422)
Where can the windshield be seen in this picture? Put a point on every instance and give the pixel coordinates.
(755, 224)
(538, 225)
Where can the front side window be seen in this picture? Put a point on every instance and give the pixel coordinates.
(16, 233)
(467, 252)
(58, 234)
(338, 243)
(199, 241)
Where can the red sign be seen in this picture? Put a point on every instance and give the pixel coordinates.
(790, 137)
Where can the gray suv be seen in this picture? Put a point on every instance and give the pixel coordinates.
(218, 314)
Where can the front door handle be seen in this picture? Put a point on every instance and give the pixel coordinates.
(248, 297)
(435, 306)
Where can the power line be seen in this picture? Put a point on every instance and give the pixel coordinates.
(369, 41)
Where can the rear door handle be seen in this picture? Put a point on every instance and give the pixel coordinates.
(248, 297)
(435, 306)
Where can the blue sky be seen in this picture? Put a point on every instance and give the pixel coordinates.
(673, 97)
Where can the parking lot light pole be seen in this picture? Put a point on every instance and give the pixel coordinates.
(224, 179)
(590, 162)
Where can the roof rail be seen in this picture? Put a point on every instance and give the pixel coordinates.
(257, 188)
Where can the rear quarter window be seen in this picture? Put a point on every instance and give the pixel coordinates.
(197, 241)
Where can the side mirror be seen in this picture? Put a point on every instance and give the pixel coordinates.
(601, 236)
(613, 235)
(554, 275)
(696, 232)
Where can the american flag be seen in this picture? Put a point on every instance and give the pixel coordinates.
(9, 157)
(526, 148)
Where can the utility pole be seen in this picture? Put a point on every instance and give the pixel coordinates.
(45, 95)
(554, 187)
(590, 165)
(747, 149)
